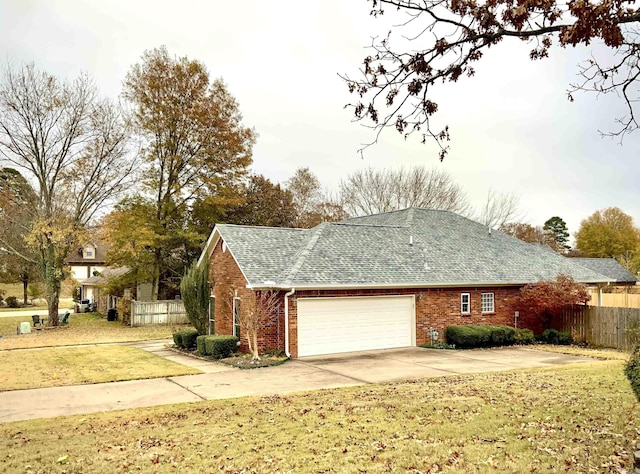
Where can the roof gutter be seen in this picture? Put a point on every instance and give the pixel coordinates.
(374, 286)
(286, 321)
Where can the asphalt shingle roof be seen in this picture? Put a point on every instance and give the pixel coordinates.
(412, 247)
(609, 267)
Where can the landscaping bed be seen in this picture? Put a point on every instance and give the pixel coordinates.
(243, 361)
(237, 359)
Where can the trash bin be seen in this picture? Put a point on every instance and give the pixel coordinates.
(112, 314)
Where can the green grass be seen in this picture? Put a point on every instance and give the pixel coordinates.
(83, 328)
(40, 368)
(579, 418)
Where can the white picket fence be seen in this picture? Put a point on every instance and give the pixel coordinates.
(146, 313)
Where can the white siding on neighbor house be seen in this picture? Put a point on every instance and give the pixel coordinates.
(96, 268)
(333, 325)
(88, 293)
(80, 272)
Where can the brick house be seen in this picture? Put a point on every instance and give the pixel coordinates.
(374, 282)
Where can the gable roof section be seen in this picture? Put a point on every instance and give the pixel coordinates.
(411, 248)
(77, 257)
(262, 253)
(609, 267)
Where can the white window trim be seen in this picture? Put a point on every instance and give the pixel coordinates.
(462, 303)
(493, 303)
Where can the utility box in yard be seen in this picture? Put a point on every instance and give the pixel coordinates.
(24, 328)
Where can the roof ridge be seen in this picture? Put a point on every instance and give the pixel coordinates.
(304, 253)
(297, 229)
(410, 214)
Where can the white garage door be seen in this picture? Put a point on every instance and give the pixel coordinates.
(331, 325)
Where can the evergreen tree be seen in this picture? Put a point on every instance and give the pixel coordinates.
(556, 227)
(195, 290)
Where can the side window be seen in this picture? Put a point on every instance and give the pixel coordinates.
(487, 303)
(236, 316)
(465, 303)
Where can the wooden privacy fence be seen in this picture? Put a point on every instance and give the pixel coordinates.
(615, 300)
(599, 326)
(145, 313)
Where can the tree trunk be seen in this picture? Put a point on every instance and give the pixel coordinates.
(155, 283)
(256, 355)
(52, 279)
(25, 284)
(53, 298)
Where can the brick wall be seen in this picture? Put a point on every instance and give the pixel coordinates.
(228, 281)
(435, 308)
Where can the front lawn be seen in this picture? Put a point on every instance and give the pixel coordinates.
(83, 328)
(40, 368)
(579, 418)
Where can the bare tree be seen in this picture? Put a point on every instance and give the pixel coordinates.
(257, 316)
(499, 209)
(440, 42)
(73, 148)
(372, 191)
(312, 203)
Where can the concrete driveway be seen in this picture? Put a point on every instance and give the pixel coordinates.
(413, 362)
(310, 373)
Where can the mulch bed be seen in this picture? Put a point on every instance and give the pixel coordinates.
(241, 361)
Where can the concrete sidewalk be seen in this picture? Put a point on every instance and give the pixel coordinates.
(27, 313)
(219, 381)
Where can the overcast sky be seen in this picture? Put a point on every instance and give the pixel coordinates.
(512, 128)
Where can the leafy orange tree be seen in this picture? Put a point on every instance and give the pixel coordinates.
(441, 40)
(526, 233)
(546, 298)
(193, 144)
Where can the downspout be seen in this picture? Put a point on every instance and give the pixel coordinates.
(286, 322)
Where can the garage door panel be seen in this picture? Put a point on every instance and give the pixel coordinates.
(332, 325)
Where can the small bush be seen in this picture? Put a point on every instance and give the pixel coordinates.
(502, 336)
(552, 336)
(201, 347)
(189, 337)
(12, 302)
(632, 371)
(524, 336)
(177, 338)
(480, 336)
(468, 336)
(220, 346)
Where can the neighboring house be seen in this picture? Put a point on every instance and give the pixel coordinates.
(93, 288)
(87, 261)
(609, 267)
(382, 281)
